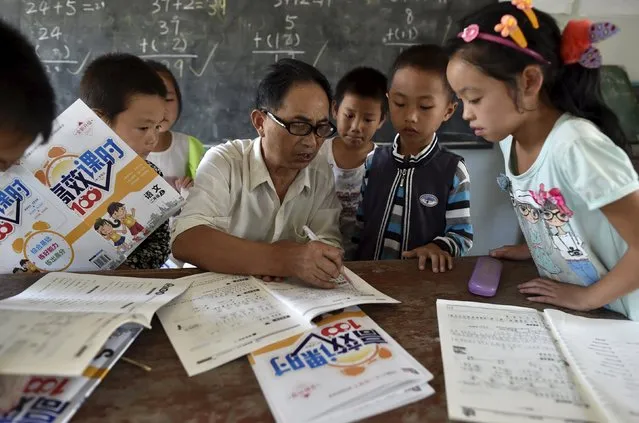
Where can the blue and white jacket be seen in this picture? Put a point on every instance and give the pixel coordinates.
(408, 202)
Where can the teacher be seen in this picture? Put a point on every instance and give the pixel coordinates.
(251, 198)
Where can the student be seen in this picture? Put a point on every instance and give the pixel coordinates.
(359, 109)
(27, 110)
(523, 82)
(176, 154)
(27, 104)
(129, 96)
(415, 194)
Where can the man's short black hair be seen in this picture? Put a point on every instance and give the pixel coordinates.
(363, 82)
(281, 76)
(425, 57)
(27, 100)
(112, 79)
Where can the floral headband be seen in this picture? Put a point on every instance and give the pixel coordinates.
(576, 42)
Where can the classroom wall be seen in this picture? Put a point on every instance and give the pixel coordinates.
(493, 218)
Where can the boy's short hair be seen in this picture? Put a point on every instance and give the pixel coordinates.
(281, 77)
(363, 82)
(27, 102)
(112, 79)
(425, 57)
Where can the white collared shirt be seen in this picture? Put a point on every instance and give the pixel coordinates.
(234, 193)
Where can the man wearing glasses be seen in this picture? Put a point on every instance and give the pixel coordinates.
(252, 198)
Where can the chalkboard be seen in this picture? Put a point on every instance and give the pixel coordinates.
(621, 98)
(219, 49)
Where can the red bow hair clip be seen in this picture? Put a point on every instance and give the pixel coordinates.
(577, 42)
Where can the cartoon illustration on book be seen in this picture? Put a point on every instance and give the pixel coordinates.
(556, 215)
(118, 213)
(108, 230)
(26, 266)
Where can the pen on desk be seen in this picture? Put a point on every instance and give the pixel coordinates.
(136, 364)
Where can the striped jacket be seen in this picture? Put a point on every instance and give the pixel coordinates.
(408, 202)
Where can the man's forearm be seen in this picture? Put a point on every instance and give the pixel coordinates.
(216, 251)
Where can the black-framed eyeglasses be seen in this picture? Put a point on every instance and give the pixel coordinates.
(301, 129)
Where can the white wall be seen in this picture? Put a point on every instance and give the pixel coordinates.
(494, 221)
(621, 49)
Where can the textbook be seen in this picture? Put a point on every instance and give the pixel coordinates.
(56, 399)
(346, 369)
(58, 325)
(81, 202)
(507, 364)
(224, 317)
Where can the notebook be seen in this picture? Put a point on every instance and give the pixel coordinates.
(505, 364)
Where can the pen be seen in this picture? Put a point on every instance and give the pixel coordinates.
(136, 363)
(311, 235)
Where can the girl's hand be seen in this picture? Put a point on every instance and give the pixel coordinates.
(184, 182)
(441, 260)
(512, 252)
(575, 297)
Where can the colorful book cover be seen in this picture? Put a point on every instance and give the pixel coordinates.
(347, 364)
(56, 399)
(83, 201)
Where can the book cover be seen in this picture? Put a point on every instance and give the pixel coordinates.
(83, 201)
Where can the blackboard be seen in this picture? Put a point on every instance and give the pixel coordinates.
(621, 98)
(219, 49)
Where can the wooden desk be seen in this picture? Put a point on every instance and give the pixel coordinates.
(231, 394)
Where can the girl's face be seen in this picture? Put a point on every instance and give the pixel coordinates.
(419, 102)
(488, 104)
(139, 124)
(106, 229)
(554, 217)
(172, 106)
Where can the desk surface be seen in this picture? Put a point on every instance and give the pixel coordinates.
(231, 394)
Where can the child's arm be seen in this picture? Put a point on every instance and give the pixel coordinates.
(620, 281)
(458, 237)
(603, 177)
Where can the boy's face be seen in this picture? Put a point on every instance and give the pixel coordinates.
(358, 118)
(419, 102)
(12, 147)
(120, 213)
(139, 124)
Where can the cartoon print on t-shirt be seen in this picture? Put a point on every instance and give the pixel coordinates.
(556, 216)
(526, 206)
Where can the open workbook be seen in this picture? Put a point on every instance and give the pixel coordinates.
(508, 364)
(58, 325)
(223, 317)
(55, 399)
(346, 369)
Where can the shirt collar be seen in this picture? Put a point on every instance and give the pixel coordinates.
(258, 172)
(426, 152)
